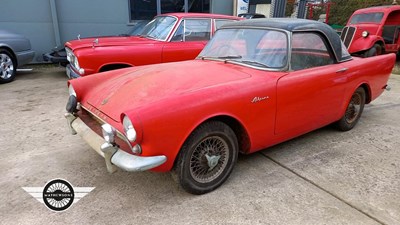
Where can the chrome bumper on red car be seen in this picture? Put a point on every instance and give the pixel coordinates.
(113, 155)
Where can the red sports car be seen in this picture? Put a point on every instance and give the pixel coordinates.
(257, 83)
(167, 38)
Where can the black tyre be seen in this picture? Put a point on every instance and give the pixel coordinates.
(353, 111)
(8, 66)
(374, 51)
(207, 158)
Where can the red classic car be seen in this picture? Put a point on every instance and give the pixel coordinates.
(257, 83)
(373, 31)
(167, 38)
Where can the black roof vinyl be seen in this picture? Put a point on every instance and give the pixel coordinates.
(296, 25)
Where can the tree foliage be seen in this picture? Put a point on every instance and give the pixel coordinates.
(341, 10)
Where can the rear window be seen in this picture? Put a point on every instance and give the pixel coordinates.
(367, 18)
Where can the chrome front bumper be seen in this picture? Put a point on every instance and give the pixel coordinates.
(114, 156)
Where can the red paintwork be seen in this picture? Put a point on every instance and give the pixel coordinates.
(168, 101)
(136, 51)
(391, 17)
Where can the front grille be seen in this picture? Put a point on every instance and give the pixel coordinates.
(94, 123)
(348, 35)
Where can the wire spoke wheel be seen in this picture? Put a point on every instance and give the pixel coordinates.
(353, 111)
(354, 108)
(209, 159)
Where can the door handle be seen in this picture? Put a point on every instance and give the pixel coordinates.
(342, 70)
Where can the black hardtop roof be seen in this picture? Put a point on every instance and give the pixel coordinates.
(294, 25)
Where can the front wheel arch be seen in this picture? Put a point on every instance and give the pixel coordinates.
(116, 66)
(237, 127)
(207, 158)
(11, 52)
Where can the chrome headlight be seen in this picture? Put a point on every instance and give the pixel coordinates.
(76, 63)
(72, 104)
(74, 60)
(365, 34)
(69, 55)
(71, 90)
(129, 129)
(109, 133)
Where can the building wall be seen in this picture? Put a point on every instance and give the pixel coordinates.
(92, 18)
(31, 19)
(222, 7)
(36, 19)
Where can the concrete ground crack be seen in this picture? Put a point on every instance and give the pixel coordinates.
(323, 189)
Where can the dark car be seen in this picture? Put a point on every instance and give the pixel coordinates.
(15, 50)
(251, 15)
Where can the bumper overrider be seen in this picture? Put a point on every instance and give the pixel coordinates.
(106, 146)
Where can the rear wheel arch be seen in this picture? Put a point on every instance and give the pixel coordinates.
(353, 110)
(367, 90)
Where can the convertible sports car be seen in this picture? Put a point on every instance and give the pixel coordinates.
(167, 38)
(257, 83)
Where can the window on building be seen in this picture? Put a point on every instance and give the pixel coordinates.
(142, 9)
(169, 6)
(147, 9)
(201, 6)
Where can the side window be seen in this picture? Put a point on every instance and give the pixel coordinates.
(220, 22)
(193, 30)
(309, 50)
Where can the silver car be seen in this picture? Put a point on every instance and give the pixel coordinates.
(15, 50)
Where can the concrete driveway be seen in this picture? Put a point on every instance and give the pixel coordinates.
(324, 177)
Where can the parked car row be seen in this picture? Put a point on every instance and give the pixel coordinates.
(255, 84)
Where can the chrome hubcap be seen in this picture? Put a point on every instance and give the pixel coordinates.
(209, 159)
(212, 161)
(6, 66)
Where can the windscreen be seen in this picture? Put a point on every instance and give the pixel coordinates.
(255, 47)
(367, 18)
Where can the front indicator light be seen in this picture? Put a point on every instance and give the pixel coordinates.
(137, 150)
(365, 34)
(109, 133)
